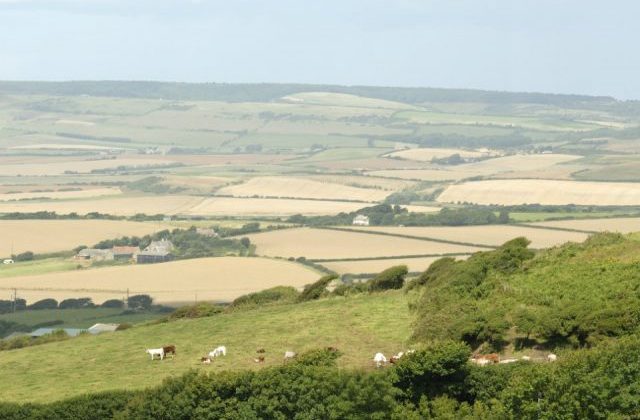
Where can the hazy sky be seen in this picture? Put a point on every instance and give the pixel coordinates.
(568, 46)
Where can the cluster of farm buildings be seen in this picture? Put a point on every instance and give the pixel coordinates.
(157, 251)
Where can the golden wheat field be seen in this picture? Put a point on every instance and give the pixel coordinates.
(60, 235)
(423, 174)
(364, 181)
(528, 191)
(61, 195)
(622, 224)
(220, 206)
(119, 206)
(490, 235)
(330, 244)
(376, 266)
(427, 154)
(213, 279)
(76, 166)
(289, 187)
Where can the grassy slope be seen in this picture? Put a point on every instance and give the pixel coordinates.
(28, 268)
(359, 326)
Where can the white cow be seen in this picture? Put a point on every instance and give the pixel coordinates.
(289, 355)
(526, 358)
(379, 359)
(503, 361)
(218, 351)
(552, 357)
(156, 352)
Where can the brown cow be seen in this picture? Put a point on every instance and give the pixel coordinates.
(260, 359)
(205, 360)
(332, 349)
(485, 359)
(260, 351)
(170, 349)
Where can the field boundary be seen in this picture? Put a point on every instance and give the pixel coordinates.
(422, 238)
(590, 232)
(395, 257)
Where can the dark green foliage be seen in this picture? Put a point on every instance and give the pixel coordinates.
(26, 341)
(7, 306)
(318, 289)
(319, 357)
(449, 217)
(154, 185)
(112, 303)
(139, 302)
(347, 289)
(78, 303)
(25, 256)
(278, 294)
(44, 304)
(391, 278)
(199, 310)
(437, 369)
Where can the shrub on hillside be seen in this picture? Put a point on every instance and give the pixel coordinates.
(44, 304)
(7, 306)
(199, 310)
(25, 256)
(140, 302)
(113, 303)
(347, 289)
(78, 303)
(278, 294)
(391, 278)
(318, 289)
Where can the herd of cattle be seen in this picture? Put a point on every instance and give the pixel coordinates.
(379, 359)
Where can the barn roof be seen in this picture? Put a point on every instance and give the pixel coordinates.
(99, 328)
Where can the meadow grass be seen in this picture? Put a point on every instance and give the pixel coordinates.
(358, 325)
(28, 268)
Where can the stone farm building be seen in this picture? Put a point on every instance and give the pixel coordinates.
(157, 251)
(125, 252)
(361, 220)
(95, 254)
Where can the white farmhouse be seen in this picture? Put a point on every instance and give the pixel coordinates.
(361, 220)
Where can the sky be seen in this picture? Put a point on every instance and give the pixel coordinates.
(556, 46)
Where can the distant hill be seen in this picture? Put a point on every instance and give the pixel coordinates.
(265, 92)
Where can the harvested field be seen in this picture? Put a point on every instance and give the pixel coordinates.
(332, 244)
(376, 266)
(120, 206)
(58, 146)
(622, 224)
(427, 154)
(220, 206)
(214, 279)
(41, 236)
(301, 188)
(423, 174)
(523, 191)
(93, 192)
(364, 181)
(490, 235)
(77, 166)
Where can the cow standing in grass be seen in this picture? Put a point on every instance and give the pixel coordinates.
(156, 352)
(170, 349)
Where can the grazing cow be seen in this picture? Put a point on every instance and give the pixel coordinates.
(393, 359)
(485, 359)
(332, 349)
(379, 359)
(260, 351)
(170, 349)
(289, 355)
(156, 352)
(260, 359)
(218, 351)
(205, 360)
(552, 357)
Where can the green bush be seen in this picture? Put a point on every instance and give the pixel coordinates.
(278, 294)
(318, 289)
(199, 310)
(391, 278)
(113, 303)
(44, 304)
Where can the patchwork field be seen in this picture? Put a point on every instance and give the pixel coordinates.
(426, 155)
(622, 224)
(220, 206)
(491, 235)
(376, 266)
(214, 279)
(301, 188)
(42, 236)
(358, 326)
(331, 244)
(89, 192)
(78, 166)
(120, 206)
(513, 192)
